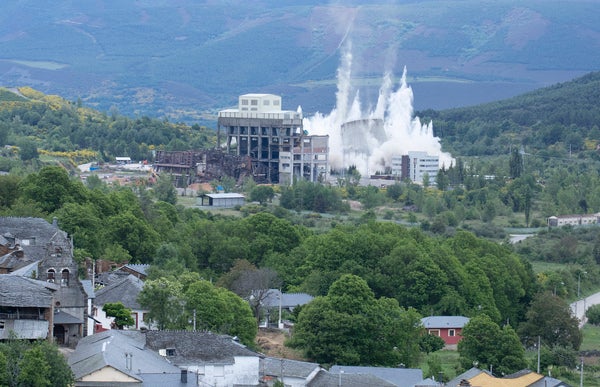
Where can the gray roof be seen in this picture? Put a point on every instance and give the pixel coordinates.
(444, 321)
(35, 230)
(109, 277)
(291, 368)
(548, 381)
(402, 377)
(468, 374)
(126, 291)
(229, 195)
(28, 270)
(108, 348)
(429, 382)
(88, 288)
(17, 291)
(288, 300)
(137, 267)
(193, 347)
(61, 317)
(329, 379)
(15, 260)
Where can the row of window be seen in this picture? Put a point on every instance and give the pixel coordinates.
(64, 276)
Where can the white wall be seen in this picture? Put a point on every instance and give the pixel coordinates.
(244, 371)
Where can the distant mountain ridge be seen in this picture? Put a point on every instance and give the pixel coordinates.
(187, 59)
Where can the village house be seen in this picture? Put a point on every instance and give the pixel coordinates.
(42, 251)
(26, 308)
(449, 328)
(125, 291)
(119, 358)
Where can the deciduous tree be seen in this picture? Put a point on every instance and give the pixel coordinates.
(350, 326)
(550, 318)
(121, 314)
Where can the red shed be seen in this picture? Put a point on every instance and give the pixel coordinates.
(449, 328)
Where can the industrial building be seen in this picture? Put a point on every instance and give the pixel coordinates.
(274, 140)
(415, 165)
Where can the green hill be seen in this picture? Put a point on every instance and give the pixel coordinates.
(559, 120)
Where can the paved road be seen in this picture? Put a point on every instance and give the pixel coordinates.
(578, 308)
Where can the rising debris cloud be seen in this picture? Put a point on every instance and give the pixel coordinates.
(368, 137)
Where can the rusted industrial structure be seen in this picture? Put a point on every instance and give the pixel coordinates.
(274, 140)
(194, 166)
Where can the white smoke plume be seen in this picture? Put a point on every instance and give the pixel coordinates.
(371, 149)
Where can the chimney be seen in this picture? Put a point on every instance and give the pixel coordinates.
(55, 222)
(184, 376)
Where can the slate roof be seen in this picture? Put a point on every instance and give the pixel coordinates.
(126, 291)
(402, 377)
(88, 288)
(548, 381)
(429, 382)
(328, 379)
(291, 368)
(35, 230)
(15, 260)
(137, 267)
(444, 321)
(110, 277)
(17, 291)
(28, 270)
(108, 348)
(193, 347)
(65, 318)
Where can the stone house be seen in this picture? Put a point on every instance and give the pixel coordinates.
(44, 243)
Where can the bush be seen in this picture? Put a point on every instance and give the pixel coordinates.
(593, 314)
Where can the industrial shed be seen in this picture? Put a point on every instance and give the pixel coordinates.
(222, 200)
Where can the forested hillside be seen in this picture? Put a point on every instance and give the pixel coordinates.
(556, 121)
(51, 123)
(186, 59)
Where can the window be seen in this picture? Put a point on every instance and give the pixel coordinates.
(435, 332)
(171, 352)
(1, 325)
(254, 102)
(244, 102)
(50, 275)
(64, 277)
(451, 333)
(266, 102)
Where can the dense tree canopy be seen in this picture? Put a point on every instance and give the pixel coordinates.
(350, 326)
(550, 318)
(491, 347)
(179, 303)
(24, 363)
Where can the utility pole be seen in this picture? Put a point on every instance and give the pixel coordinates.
(539, 347)
(581, 373)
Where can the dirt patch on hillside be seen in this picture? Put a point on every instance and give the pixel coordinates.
(270, 342)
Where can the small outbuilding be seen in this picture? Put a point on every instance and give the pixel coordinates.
(223, 200)
(449, 328)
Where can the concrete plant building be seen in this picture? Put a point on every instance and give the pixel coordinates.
(414, 166)
(274, 140)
